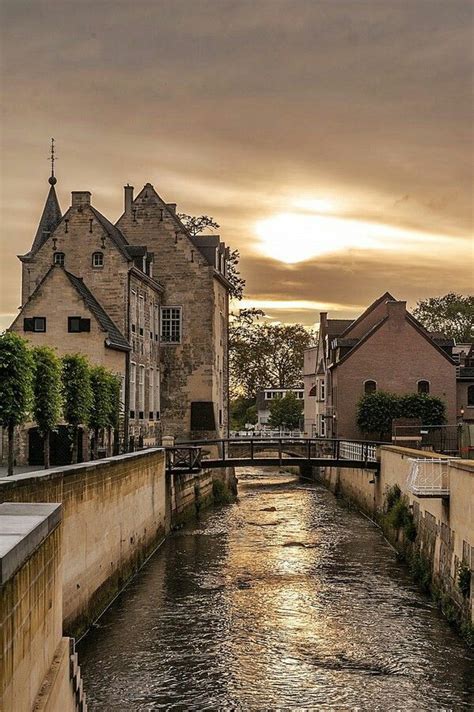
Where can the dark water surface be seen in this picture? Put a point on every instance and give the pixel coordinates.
(284, 600)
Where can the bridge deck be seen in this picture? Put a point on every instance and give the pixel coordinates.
(290, 461)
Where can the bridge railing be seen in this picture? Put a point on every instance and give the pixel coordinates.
(183, 458)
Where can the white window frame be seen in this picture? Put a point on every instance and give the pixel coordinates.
(141, 314)
(133, 391)
(157, 397)
(163, 319)
(97, 265)
(133, 307)
(151, 394)
(141, 389)
(322, 425)
(59, 258)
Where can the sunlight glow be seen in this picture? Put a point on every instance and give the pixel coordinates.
(296, 237)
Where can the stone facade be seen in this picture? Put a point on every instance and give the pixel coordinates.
(156, 299)
(384, 349)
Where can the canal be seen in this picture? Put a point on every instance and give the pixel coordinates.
(284, 600)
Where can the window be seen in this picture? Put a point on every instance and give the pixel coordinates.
(58, 258)
(470, 395)
(133, 309)
(322, 426)
(171, 318)
(423, 387)
(141, 313)
(98, 259)
(133, 378)
(370, 387)
(156, 402)
(36, 323)
(151, 395)
(156, 321)
(76, 324)
(141, 391)
(323, 389)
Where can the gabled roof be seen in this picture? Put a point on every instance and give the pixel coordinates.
(115, 337)
(387, 297)
(49, 220)
(335, 327)
(113, 232)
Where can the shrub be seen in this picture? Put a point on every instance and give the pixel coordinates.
(464, 579)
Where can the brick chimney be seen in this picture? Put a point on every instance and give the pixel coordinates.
(128, 199)
(396, 311)
(80, 198)
(323, 321)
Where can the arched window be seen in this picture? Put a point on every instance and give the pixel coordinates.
(98, 259)
(470, 395)
(370, 387)
(58, 258)
(423, 387)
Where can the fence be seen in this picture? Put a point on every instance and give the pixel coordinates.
(444, 439)
(353, 450)
(429, 477)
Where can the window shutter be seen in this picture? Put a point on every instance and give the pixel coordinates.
(28, 324)
(85, 325)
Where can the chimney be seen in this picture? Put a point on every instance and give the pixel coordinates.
(396, 310)
(128, 199)
(323, 321)
(80, 198)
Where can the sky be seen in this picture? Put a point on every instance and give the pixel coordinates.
(332, 140)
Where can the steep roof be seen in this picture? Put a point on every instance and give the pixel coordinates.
(50, 219)
(335, 327)
(115, 336)
(117, 237)
(386, 297)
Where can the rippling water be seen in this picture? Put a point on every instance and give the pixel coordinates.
(284, 600)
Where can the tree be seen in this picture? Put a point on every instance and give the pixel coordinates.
(241, 412)
(101, 405)
(115, 406)
(452, 315)
(196, 225)
(375, 412)
(16, 379)
(77, 395)
(286, 412)
(48, 399)
(263, 354)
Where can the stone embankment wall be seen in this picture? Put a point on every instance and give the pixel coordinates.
(39, 668)
(438, 536)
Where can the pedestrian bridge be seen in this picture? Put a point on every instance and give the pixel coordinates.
(259, 452)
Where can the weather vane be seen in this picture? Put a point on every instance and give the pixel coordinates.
(52, 158)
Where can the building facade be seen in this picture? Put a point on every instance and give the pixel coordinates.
(384, 349)
(144, 298)
(266, 397)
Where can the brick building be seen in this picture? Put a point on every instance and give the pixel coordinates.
(145, 298)
(385, 349)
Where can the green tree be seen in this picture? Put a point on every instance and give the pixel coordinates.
(196, 225)
(47, 389)
(16, 392)
(116, 405)
(375, 412)
(101, 406)
(286, 412)
(429, 409)
(239, 407)
(451, 314)
(263, 354)
(77, 395)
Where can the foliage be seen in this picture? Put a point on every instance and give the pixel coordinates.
(101, 405)
(115, 403)
(429, 409)
(78, 395)
(242, 411)
(392, 496)
(263, 354)
(420, 569)
(398, 514)
(16, 379)
(47, 388)
(196, 225)
(451, 314)
(286, 412)
(464, 579)
(375, 411)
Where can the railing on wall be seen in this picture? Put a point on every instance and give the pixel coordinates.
(429, 477)
(354, 450)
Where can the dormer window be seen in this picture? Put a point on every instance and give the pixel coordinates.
(423, 388)
(98, 259)
(58, 259)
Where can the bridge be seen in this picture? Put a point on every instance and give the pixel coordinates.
(193, 456)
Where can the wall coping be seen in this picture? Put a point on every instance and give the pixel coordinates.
(23, 527)
(89, 466)
(457, 463)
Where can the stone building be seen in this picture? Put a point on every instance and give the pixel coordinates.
(144, 298)
(385, 349)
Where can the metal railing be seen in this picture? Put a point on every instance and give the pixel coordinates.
(183, 459)
(429, 477)
(265, 434)
(353, 450)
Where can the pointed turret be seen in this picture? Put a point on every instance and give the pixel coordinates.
(50, 218)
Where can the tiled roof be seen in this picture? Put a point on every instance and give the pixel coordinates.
(113, 232)
(115, 336)
(337, 326)
(49, 221)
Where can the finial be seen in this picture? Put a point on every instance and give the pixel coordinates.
(52, 179)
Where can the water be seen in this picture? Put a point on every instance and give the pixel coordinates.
(285, 601)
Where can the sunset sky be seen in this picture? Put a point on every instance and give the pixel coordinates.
(331, 140)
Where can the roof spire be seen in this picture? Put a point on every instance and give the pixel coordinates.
(52, 157)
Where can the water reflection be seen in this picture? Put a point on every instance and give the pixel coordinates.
(284, 600)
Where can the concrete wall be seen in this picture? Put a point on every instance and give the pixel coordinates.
(114, 516)
(445, 527)
(35, 667)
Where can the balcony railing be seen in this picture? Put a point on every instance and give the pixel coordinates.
(429, 477)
